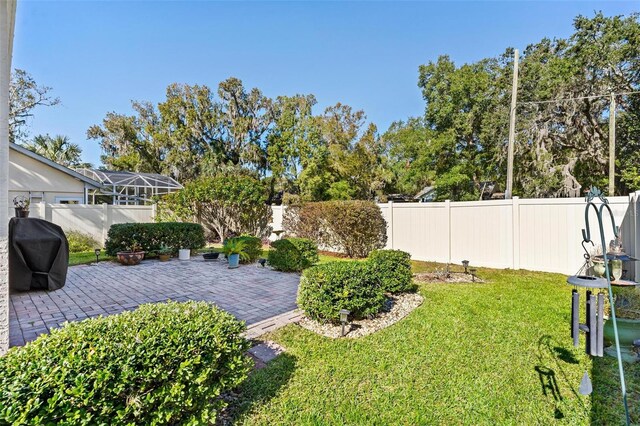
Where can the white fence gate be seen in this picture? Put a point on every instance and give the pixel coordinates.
(535, 234)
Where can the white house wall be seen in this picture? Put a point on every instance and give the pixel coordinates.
(27, 174)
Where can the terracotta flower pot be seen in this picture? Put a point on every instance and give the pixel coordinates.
(164, 257)
(130, 257)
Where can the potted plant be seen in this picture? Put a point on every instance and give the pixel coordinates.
(132, 256)
(627, 302)
(21, 205)
(234, 250)
(184, 254)
(164, 254)
(212, 255)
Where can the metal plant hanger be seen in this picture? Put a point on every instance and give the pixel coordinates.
(595, 307)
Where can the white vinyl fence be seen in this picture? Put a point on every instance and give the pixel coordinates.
(534, 234)
(92, 219)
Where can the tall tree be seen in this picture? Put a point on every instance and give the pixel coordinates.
(24, 96)
(562, 115)
(58, 149)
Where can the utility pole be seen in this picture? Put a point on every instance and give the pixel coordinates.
(512, 127)
(612, 146)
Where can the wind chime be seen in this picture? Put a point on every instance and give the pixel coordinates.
(593, 327)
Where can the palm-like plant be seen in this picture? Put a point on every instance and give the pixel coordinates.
(57, 149)
(234, 246)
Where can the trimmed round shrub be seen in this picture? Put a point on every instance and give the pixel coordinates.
(393, 269)
(292, 254)
(151, 237)
(327, 288)
(354, 228)
(79, 242)
(160, 364)
(252, 247)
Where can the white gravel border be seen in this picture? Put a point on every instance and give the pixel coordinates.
(397, 307)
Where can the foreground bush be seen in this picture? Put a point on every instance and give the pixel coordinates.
(151, 237)
(354, 228)
(161, 364)
(393, 269)
(79, 242)
(292, 254)
(325, 289)
(252, 247)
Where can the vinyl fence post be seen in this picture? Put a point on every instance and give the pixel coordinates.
(390, 225)
(447, 206)
(515, 237)
(42, 210)
(106, 222)
(636, 233)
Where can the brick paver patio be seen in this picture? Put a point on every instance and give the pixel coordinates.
(250, 293)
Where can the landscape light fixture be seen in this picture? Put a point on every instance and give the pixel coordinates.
(473, 274)
(344, 314)
(465, 263)
(97, 252)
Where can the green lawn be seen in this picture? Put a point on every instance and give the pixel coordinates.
(86, 257)
(471, 354)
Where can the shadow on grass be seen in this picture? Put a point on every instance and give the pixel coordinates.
(259, 388)
(606, 399)
(552, 360)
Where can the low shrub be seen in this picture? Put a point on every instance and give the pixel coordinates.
(292, 254)
(79, 241)
(252, 247)
(354, 228)
(393, 270)
(160, 364)
(151, 237)
(327, 288)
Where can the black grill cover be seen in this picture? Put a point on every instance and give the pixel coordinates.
(38, 255)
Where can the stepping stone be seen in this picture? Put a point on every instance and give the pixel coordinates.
(266, 351)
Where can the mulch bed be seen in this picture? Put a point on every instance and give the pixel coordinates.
(432, 277)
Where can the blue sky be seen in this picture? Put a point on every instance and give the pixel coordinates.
(98, 56)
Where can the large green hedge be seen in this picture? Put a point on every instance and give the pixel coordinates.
(327, 288)
(393, 270)
(160, 364)
(151, 237)
(292, 254)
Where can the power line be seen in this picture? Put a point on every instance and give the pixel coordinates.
(578, 98)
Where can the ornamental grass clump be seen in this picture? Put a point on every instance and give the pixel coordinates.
(163, 363)
(327, 288)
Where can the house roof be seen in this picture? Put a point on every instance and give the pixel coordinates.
(132, 179)
(426, 190)
(63, 169)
